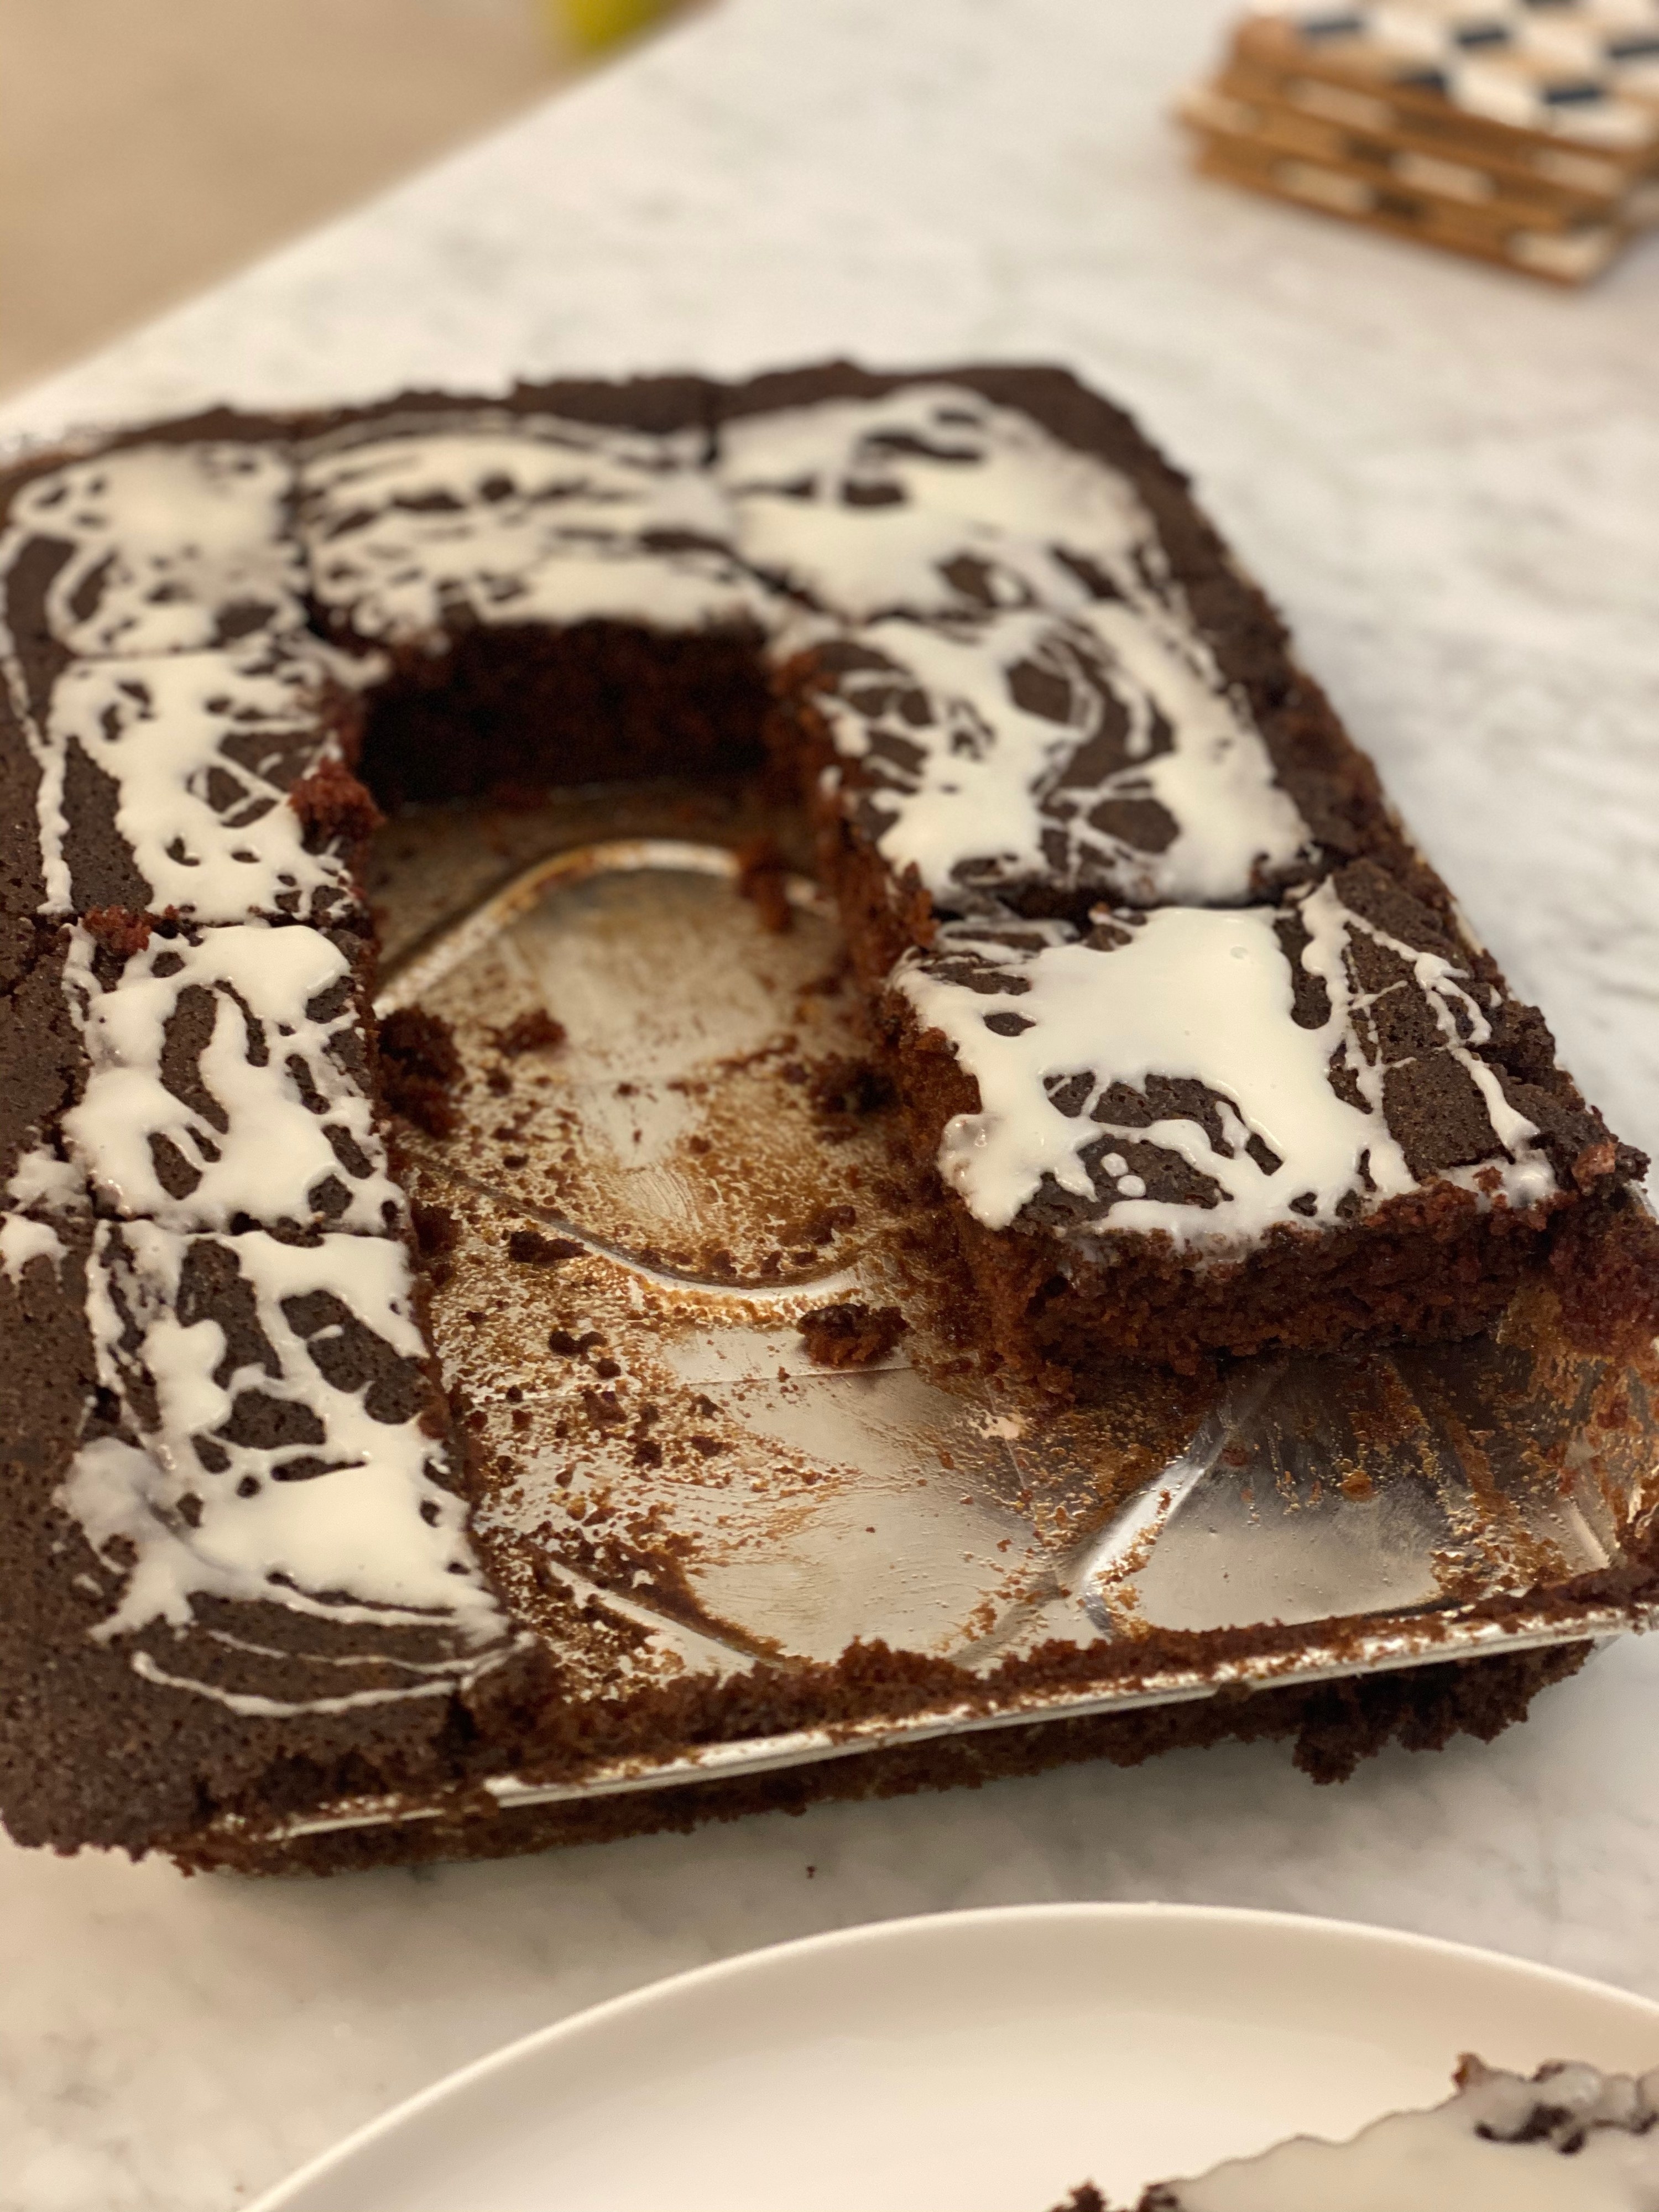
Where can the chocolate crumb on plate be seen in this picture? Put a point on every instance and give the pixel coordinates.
(535, 1031)
(531, 1249)
(851, 1334)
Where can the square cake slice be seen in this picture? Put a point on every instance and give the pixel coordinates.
(205, 1079)
(225, 1079)
(1039, 762)
(237, 1572)
(1188, 1130)
(927, 496)
(561, 598)
(210, 785)
(169, 544)
(1035, 757)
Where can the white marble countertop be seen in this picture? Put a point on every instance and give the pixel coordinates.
(1449, 476)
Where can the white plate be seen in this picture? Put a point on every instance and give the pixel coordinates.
(970, 2061)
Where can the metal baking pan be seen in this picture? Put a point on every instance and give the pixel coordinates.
(671, 1484)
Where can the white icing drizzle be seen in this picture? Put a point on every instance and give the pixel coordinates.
(866, 504)
(278, 1130)
(1570, 2139)
(210, 831)
(250, 1705)
(388, 1661)
(1206, 995)
(22, 1240)
(41, 1182)
(172, 548)
(979, 777)
(508, 519)
(191, 1512)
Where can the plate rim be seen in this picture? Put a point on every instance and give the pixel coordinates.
(286, 2196)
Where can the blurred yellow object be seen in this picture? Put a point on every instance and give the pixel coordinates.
(595, 23)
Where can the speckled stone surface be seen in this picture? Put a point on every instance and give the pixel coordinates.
(1448, 478)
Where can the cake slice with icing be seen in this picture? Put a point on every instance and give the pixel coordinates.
(210, 785)
(1044, 763)
(931, 498)
(1190, 1129)
(227, 1081)
(160, 546)
(508, 519)
(241, 1463)
(565, 591)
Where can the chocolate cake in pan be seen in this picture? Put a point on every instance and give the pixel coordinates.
(1193, 1055)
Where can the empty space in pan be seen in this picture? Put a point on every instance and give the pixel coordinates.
(645, 1209)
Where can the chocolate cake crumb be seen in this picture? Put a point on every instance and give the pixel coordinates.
(333, 807)
(116, 931)
(536, 1032)
(851, 1336)
(531, 1250)
(823, 1227)
(762, 878)
(437, 1233)
(846, 1088)
(419, 1067)
(436, 1229)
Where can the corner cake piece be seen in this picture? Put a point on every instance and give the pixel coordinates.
(158, 546)
(925, 497)
(236, 1544)
(1568, 2139)
(1191, 1032)
(1055, 685)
